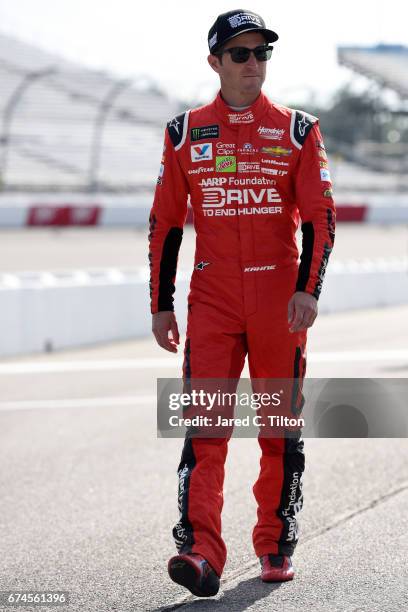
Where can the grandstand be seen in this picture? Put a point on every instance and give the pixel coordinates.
(387, 65)
(65, 127)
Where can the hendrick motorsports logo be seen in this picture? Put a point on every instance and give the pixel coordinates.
(270, 133)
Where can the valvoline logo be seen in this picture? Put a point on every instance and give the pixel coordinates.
(201, 152)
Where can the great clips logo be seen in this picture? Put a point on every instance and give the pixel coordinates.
(201, 152)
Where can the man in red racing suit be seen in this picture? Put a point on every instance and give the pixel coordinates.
(250, 174)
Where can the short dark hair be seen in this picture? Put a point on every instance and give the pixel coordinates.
(219, 53)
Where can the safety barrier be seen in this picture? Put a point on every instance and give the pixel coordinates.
(49, 311)
(18, 211)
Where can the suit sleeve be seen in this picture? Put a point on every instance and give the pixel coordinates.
(167, 218)
(317, 213)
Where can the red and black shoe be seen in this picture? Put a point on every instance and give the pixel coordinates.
(194, 573)
(276, 568)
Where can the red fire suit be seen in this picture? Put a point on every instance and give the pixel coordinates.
(249, 176)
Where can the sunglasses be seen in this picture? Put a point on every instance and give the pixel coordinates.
(239, 55)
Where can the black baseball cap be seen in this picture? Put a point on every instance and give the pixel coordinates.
(228, 25)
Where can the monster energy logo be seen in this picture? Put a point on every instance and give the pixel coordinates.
(204, 132)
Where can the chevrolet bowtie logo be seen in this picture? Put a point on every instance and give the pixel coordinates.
(201, 265)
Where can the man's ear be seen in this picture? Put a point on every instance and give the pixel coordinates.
(214, 62)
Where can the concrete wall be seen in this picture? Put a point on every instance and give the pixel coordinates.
(52, 311)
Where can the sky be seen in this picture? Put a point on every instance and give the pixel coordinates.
(167, 41)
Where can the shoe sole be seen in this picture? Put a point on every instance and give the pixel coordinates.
(281, 579)
(185, 574)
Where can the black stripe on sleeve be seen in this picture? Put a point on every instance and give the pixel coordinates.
(306, 256)
(168, 266)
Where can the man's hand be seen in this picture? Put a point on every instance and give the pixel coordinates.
(302, 311)
(162, 323)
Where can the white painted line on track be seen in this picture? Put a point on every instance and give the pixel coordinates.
(371, 355)
(81, 402)
(46, 367)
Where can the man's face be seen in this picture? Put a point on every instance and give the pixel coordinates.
(244, 78)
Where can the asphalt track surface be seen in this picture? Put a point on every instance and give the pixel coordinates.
(88, 491)
(63, 248)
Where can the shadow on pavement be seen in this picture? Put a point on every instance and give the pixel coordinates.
(237, 599)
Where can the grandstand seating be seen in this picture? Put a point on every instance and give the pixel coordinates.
(385, 64)
(52, 127)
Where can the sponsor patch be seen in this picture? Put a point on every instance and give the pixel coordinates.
(248, 149)
(274, 171)
(323, 164)
(201, 265)
(217, 197)
(226, 163)
(218, 181)
(240, 19)
(275, 162)
(322, 154)
(248, 167)
(276, 151)
(161, 172)
(204, 132)
(241, 118)
(175, 124)
(201, 152)
(328, 193)
(303, 125)
(325, 175)
(200, 170)
(176, 130)
(320, 145)
(224, 148)
(270, 133)
(244, 211)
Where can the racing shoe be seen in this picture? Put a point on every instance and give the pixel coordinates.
(195, 573)
(276, 568)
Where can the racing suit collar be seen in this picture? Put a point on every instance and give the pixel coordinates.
(236, 118)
